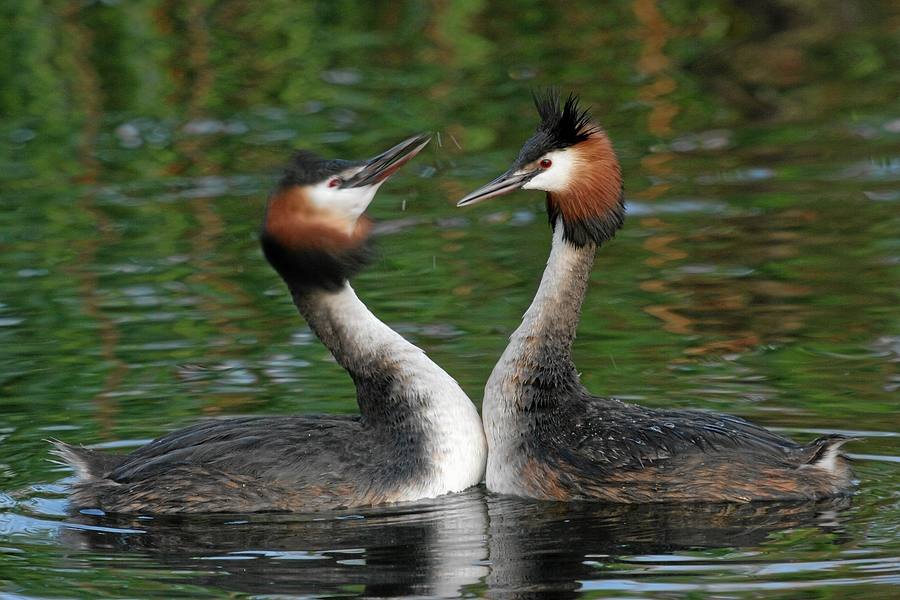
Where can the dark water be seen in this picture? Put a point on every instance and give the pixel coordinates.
(757, 275)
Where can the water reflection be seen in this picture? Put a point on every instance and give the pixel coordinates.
(495, 546)
(540, 549)
(431, 548)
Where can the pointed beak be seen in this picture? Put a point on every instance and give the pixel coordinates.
(506, 183)
(377, 169)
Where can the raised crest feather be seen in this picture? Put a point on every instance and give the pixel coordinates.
(564, 126)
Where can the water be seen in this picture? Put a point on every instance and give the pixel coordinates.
(757, 275)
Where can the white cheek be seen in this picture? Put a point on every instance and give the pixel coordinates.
(557, 177)
(347, 203)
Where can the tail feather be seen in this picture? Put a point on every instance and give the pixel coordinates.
(828, 454)
(88, 464)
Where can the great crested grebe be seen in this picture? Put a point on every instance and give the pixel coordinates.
(548, 437)
(417, 435)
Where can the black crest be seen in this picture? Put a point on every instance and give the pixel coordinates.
(560, 127)
(566, 126)
(308, 168)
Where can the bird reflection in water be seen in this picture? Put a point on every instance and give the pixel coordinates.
(547, 549)
(459, 545)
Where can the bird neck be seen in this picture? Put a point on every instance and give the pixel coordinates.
(537, 368)
(371, 352)
(399, 389)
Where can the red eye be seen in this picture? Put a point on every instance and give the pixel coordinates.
(334, 182)
(546, 163)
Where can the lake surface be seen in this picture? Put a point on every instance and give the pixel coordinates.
(758, 274)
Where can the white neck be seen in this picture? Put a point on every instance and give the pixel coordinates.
(423, 395)
(539, 350)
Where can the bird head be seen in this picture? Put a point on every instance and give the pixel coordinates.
(314, 232)
(571, 158)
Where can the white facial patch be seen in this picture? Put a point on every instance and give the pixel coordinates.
(556, 177)
(346, 204)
